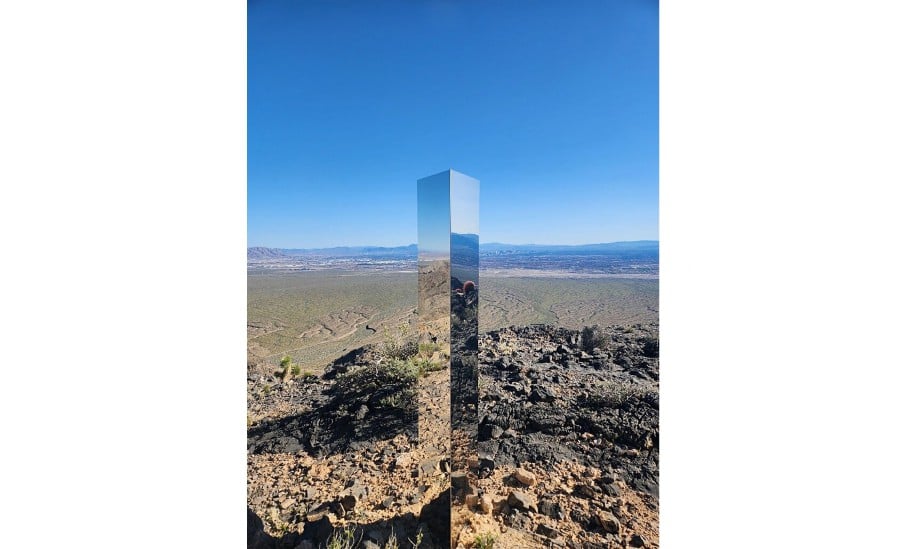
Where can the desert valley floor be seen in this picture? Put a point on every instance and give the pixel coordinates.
(568, 426)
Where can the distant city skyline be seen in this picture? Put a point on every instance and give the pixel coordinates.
(552, 107)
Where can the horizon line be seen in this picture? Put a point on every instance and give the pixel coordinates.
(415, 244)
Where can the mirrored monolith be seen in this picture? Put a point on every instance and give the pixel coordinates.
(448, 339)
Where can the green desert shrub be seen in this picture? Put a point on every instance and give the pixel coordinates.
(484, 541)
(403, 369)
(428, 349)
(343, 538)
(402, 399)
(362, 381)
(398, 345)
(287, 367)
(399, 350)
(426, 366)
(307, 376)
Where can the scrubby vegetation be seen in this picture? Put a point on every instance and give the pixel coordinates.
(287, 367)
(367, 379)
(402, 354)
(570, 303)
(290, 369)
(392, 541)
(399, 345)
(428, 349)
(344, 538)
(426, 366)
(307, 376)
(484, 541)
(304, 314)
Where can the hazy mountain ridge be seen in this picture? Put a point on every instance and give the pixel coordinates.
(262, 252)
(609, 247)
(354, 251)
(464, 252)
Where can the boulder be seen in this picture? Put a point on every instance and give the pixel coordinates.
(521, 500)
(527, 478)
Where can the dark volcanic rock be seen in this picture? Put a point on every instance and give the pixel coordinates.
(545, 530)
(257, 538)
(546, 400)
(584, 491)
(352, 495)
(651, 348)
(598, 406)
(318, 531)
(542, 393)
(551, 509)
(317, 513)
(610, 490)
(518, 520)
(459, 480)
(346, 410)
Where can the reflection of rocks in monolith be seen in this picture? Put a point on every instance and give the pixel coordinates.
(463, 348)
(463, 339)
(434, 316)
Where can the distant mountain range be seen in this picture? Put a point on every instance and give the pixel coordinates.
(630, 247)
(464, 248)
(609, 247)
(340, 251)
(354, 251)
(259, 252)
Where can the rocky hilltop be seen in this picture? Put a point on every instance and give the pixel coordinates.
(568, 436)
(567, 440)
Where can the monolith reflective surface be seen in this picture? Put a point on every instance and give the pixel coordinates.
(447, 323)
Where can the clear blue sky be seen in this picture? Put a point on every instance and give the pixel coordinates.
(553, 106)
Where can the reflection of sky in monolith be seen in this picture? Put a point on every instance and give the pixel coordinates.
(463, 203)
(434, 216)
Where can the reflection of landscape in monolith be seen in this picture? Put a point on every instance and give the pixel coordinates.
(464, 198)
(567, 417)
(434, 341)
